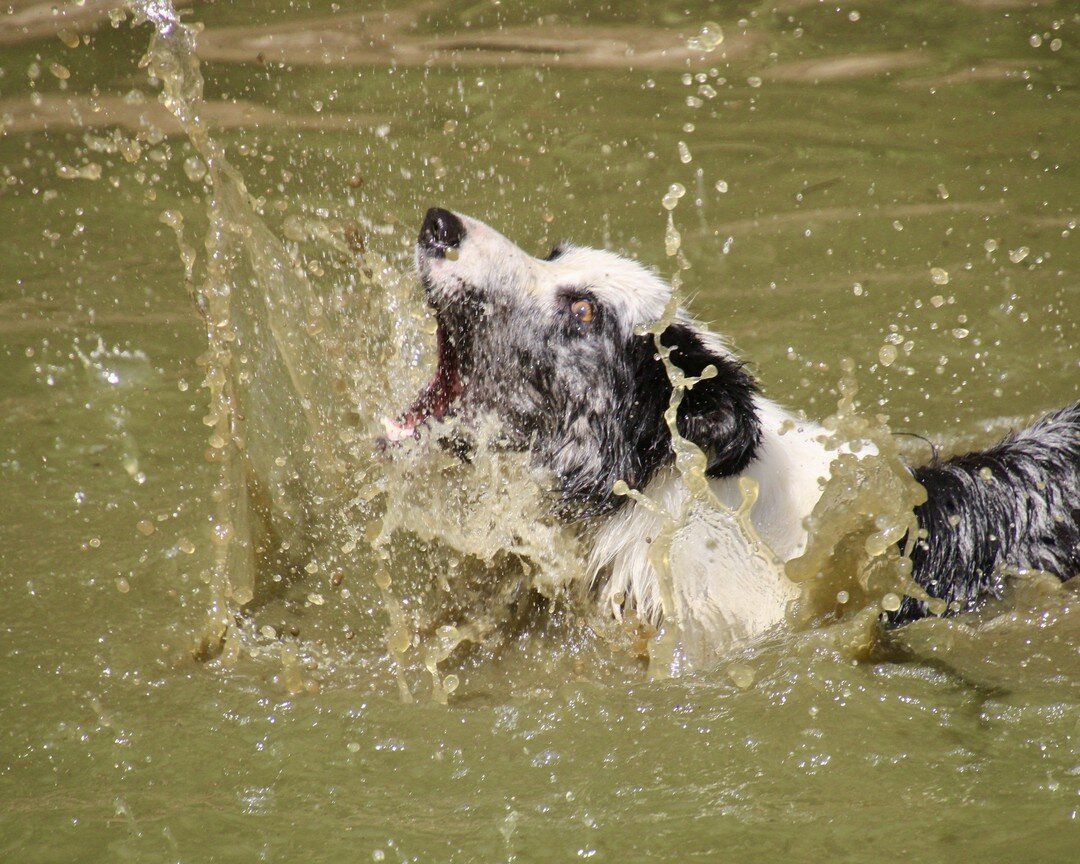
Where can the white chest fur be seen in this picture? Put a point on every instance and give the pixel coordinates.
(725, 586)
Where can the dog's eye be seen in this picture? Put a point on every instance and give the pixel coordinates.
(582, 310)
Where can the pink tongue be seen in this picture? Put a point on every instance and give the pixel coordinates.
(434, 400)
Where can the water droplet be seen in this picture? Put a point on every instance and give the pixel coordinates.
(684, 153)
(890, 602)
(708, 39)
(754, 81)
(90, 171)
(1018, 255)
(145, 527)
(1035, 40)
(887, 355)
(674, 193)
(194, 168)
(672, 238)
(721, 186)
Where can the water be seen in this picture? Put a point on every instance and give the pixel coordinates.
(848, 157)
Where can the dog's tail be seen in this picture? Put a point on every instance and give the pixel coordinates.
(1014, 505)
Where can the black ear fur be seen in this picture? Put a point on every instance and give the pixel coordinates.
(717, 414)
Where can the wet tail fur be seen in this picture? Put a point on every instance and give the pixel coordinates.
(1014, 505)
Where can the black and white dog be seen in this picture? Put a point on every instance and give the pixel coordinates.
(557, 350)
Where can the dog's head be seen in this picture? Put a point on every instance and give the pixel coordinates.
(556, 349)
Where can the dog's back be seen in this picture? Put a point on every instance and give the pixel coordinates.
(1015, 505)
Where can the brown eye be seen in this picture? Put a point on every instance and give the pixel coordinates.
(582, 310)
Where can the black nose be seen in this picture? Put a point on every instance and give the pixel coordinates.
(441, 230)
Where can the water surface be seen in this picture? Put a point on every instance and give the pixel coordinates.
(890, 183)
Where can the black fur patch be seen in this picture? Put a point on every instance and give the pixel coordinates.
(717, 414)
(1016, 505)
(589, 403)
(631, 434)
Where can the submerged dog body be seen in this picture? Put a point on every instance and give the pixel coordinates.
(561, 352)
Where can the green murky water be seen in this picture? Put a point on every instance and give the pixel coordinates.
(894, 183)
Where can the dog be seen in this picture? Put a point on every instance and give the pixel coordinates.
(564, 352)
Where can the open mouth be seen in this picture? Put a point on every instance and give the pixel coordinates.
(440, 236)
(437, 397)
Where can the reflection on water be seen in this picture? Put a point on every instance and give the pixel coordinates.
(888, 184)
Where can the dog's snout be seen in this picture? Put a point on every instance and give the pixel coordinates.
(441, 230)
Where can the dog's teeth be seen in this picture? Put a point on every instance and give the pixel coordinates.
(395, 431)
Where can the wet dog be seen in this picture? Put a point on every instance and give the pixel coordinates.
(559, 351)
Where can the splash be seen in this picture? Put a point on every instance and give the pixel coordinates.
(863, 528)
(272, 405)
(452, 547)
(110, 371)
(292, 377)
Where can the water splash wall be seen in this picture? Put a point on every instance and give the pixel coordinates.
(294, 374)
(269, 370)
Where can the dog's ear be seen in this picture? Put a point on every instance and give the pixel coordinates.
(718, 414)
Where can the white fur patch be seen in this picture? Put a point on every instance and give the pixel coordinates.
(726, 588)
